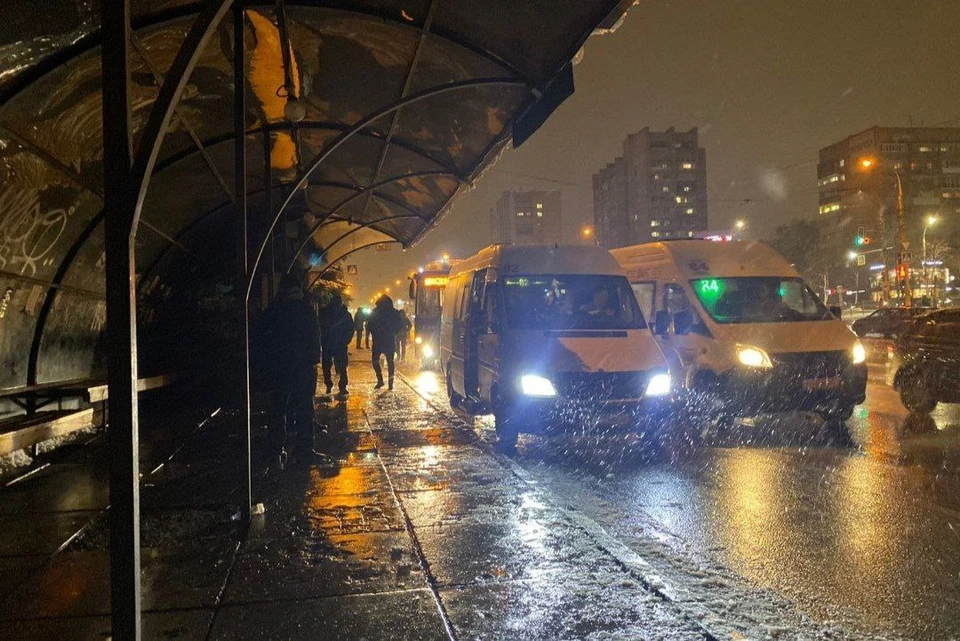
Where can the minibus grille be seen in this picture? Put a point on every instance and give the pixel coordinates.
(600, 386)
(808, 365)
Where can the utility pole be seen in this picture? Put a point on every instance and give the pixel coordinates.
(885, 275)
(906, 292)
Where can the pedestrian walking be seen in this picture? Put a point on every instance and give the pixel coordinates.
(336, 331)
(403, 335)
(290, 335)
(384, 324)
(359, 324)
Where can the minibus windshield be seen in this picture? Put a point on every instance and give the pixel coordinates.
(759, 300)
(570, 302)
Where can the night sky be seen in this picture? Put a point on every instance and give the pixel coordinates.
(767, 83)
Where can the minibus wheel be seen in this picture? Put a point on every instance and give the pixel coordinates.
(506, 422)
(456, 401)
(916, 393)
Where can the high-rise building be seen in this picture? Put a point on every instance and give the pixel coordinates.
(656, 190)
(857, 181)
(527, 217)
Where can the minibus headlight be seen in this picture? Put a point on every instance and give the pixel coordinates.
(418, 340)
(533, 385)
(659, 385)
(427, 351)
(753, 357)
(859, 353)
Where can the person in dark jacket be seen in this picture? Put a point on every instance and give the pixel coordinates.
(291, 344)
(359, 323)
(403, 335)
(383, 325)
(336, 332)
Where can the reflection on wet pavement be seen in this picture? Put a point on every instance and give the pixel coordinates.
(396, 518)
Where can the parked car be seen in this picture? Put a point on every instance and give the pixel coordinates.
(888, 322)
(924, 363)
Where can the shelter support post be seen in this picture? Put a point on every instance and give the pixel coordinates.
(121, 325)
(240, 189)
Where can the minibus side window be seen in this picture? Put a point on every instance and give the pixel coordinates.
(675, 300)
(646, 294)
(464, 296)
(490, 307)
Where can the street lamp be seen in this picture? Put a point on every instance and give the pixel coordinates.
(586, 232)
(929, 222)
(740, 225)
(867, 164)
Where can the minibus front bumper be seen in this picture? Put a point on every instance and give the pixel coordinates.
(605, 400)
(815, 381)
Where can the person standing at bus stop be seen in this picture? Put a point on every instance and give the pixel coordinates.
(290, 345)
(336, 331)
(359, 323)
(384, 324)
(403, 335)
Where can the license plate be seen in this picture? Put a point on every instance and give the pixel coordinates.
(812, 384)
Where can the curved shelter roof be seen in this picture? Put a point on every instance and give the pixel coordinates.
(406, 102)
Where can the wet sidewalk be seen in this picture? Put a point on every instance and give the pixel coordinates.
(393, 521)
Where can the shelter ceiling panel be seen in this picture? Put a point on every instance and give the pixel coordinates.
(324, 198)
(42, 210)
(482, 114)
(423, 193)
(86, 271)
(169, 208)
(534, 36)
(443, 62)
(399, 161)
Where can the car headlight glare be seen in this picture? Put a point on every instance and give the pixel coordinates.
(427, 351)
(659, 385)
(753, 357)
(859, 353)
(533, 385)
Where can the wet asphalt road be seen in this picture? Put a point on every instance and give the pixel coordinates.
(862, 538)
(401, 520)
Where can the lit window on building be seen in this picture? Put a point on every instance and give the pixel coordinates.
(654, 223)
(926, 148)
(687, 165)
(829, 209)
(898, 165)
(520, 214)
(689, 234)
(679, 199)
(686, 188)
(664, 189)
(689, 210)
(539, 205)
(539, 214)
(842, 162)
(655, 234)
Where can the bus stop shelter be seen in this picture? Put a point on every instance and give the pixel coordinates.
(151, 150)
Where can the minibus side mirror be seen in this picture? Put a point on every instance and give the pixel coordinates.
(836, 310)
(683, 322)
(661, 322)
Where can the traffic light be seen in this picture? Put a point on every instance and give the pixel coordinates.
(861, 238)
(902, 271)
